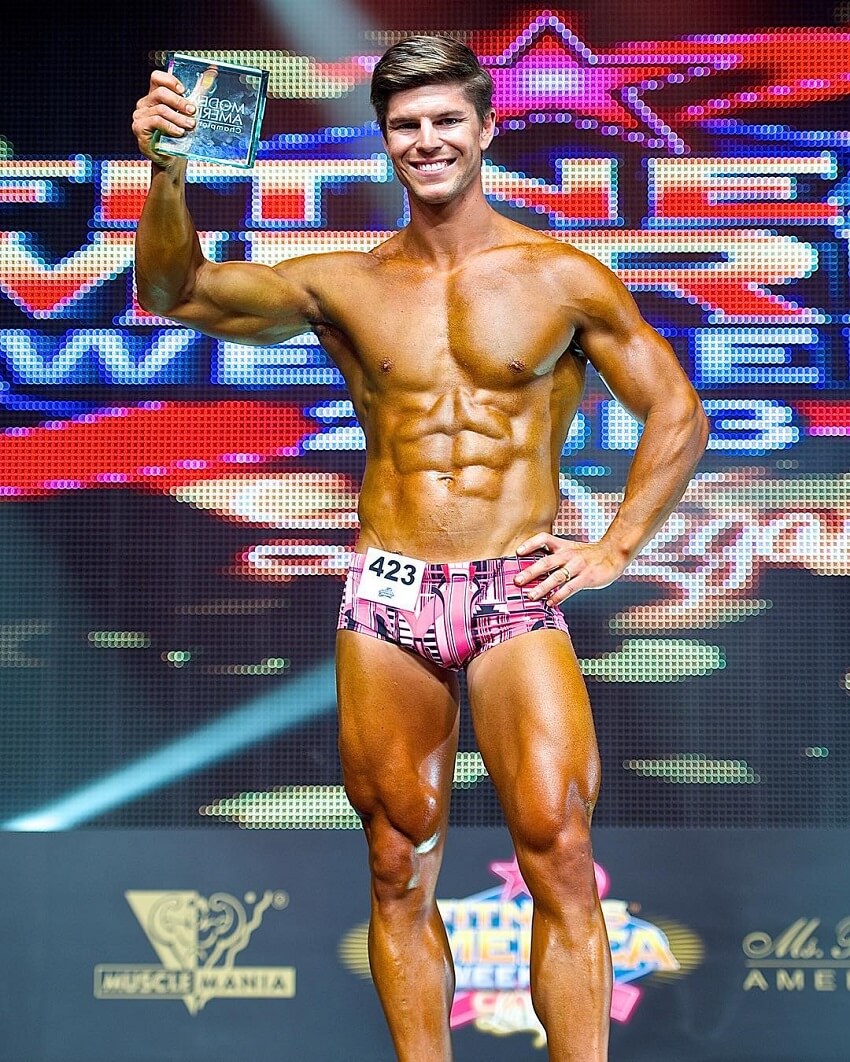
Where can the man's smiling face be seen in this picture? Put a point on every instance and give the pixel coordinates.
(435, 139)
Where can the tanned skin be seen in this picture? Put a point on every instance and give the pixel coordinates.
(455, 338)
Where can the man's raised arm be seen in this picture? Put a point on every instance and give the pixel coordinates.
(245, 301)
(642, 372)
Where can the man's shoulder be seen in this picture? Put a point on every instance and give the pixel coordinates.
(543, 242)
(333, 257)
(334, 264)
(558, 255)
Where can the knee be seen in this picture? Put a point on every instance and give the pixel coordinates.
(403, 868)
(548, 820)
(556, 857)
(392, 862)
(405, 835)
(563, 848)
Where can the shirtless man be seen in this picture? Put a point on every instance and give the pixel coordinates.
(463, 340)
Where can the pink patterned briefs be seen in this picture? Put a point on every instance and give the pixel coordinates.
(464, 608)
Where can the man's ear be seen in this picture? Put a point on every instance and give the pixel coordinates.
(488, 130)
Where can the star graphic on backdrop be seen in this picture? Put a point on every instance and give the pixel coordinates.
(543, 72)
(548, 74)
(512, 877)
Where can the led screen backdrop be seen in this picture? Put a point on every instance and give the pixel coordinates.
(175, 511)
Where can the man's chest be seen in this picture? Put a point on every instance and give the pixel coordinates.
(489, 323)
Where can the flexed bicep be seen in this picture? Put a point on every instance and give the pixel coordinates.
(247, 302)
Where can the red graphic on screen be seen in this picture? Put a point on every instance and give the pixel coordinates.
(155, 446)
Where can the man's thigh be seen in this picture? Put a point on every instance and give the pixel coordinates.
(398, 725)
(534, 727)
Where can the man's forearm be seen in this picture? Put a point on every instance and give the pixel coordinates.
(669, 450)
(167, 249)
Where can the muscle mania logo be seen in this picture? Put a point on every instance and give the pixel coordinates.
(197, 938)
(490, 939)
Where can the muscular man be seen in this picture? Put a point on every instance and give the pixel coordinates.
(463, 340)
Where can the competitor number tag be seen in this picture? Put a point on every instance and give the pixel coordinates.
(391, 579)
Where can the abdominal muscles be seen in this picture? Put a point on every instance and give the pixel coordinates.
(459, 477)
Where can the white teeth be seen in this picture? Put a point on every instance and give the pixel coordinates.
(431, 167)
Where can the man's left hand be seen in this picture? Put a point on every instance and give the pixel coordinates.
(568, 567)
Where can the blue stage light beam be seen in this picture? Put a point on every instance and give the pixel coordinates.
(296, 702)
(326, 30)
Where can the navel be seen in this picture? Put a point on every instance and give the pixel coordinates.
(516, 365)
(386, 365)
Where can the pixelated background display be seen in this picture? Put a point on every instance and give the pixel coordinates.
(175, 510)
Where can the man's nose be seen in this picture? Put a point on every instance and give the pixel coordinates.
(429, 139)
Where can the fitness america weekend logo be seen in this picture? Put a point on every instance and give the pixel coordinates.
(490, 939)
(197, 939)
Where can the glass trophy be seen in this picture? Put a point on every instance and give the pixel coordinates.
(229, 103)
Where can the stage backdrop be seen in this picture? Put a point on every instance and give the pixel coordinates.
(175, 511)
